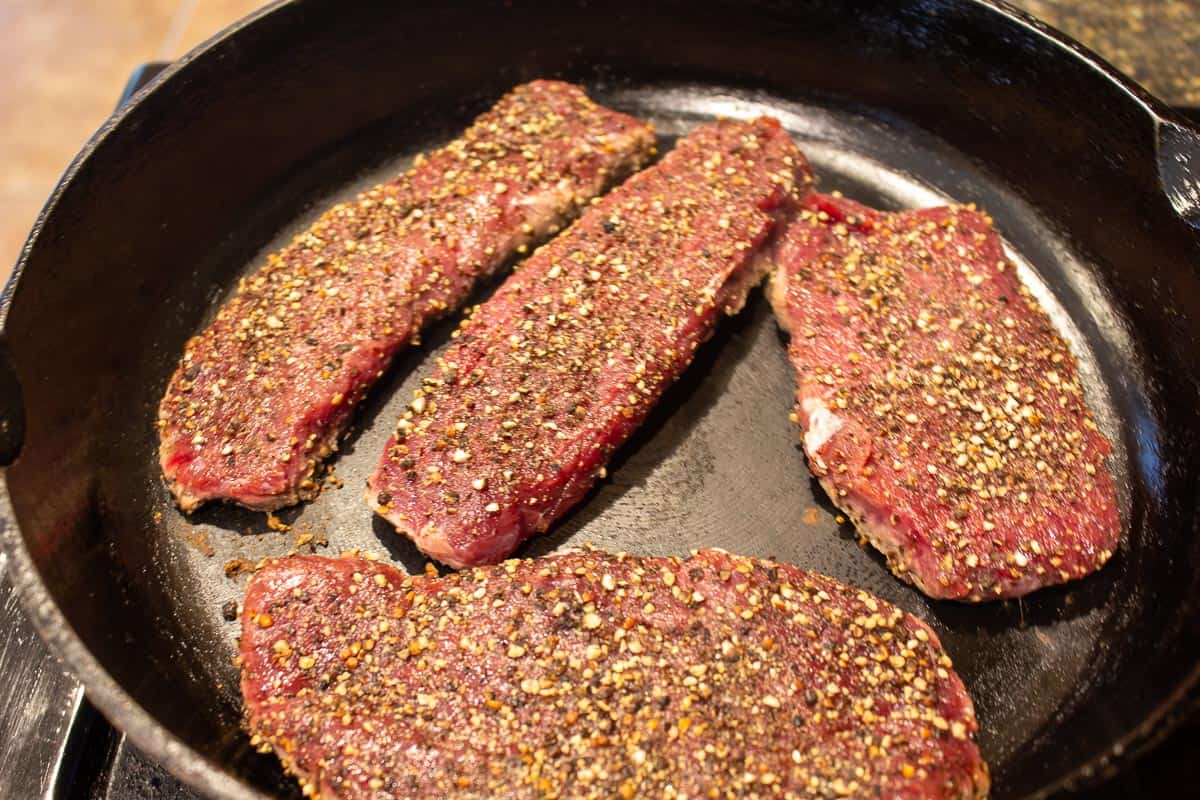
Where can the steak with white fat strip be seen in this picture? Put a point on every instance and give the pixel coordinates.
(941, 409)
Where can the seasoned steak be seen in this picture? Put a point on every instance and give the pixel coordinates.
(941, 409)
(550, 375)
(262, 394)
(588, 675)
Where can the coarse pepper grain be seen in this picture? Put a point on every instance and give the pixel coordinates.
(590, 675)
(262, 394)
(549, 376)
(941, 409)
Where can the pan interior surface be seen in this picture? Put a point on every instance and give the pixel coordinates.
(716, 465)
(898, 104)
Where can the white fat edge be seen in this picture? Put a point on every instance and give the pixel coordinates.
(821, 424)
(776, 292)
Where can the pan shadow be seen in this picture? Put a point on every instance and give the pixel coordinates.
(373, 410)
(400, 548)
(239, 520)
(665, 428)
(1044, 608)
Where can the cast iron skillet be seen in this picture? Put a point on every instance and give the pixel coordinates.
(897, 103)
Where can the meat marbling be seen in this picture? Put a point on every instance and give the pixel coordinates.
(262, 394)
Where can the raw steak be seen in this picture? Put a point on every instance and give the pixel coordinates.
(262, 394)
(550, 375)
(941, 409)
(588, 675)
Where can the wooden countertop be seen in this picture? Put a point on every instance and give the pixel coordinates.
(65, 63)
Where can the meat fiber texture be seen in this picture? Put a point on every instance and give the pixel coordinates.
(549, 376)
(589, 675)
(262, 394)
(941, 409)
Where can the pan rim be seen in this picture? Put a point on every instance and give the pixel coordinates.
(210, 776)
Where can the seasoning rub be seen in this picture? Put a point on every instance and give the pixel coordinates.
(941, 409)
(549, 376)
(588, 675)
(262, 394)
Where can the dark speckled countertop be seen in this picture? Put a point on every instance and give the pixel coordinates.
(1155, 41)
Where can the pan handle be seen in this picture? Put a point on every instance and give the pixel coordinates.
(141, 75)
(1179, 163)
(12, 408)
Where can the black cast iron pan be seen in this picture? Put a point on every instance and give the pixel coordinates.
(897, 103)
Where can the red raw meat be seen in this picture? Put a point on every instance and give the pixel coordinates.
(261, 396)
(588, 675)
(555, 371)
(941, 409)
